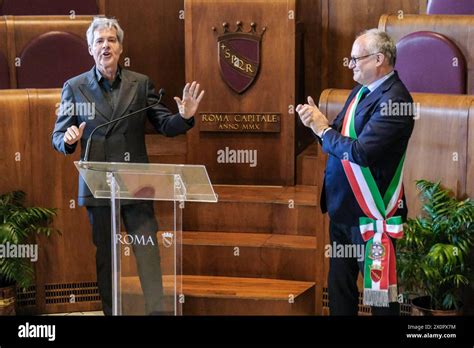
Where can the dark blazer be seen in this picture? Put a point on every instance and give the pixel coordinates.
(382, 140)
(126, 137)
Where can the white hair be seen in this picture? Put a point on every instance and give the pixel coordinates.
(381, 42)
(99, 23)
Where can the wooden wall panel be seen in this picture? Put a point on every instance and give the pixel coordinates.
(15, 142)
(160, 145)
(309, 13)
(162, 149)
(154, 46)
(308, 62)
(49, 179)
(101, 6)
(154, 41)
(71, 255)
(273, 91)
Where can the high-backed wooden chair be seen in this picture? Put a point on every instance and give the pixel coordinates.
(25, 40)
(429, 62)
(460, 7)
(51, 59)
(459, 29)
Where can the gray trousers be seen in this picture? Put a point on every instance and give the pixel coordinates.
(139, 220)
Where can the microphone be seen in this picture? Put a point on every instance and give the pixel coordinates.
(161, 93)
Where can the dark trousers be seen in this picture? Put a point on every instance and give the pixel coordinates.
(343, 273)
(139, 220)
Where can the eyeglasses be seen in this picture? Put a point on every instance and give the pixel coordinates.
(354, 60)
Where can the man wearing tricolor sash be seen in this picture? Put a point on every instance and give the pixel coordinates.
(363, 189)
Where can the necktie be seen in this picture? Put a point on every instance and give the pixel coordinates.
(365, 91)
(360, 95)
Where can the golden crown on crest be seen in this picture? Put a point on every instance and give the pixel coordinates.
(239, 29)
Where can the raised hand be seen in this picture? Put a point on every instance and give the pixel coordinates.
(312, 117)
(191, 99)
(74, 134)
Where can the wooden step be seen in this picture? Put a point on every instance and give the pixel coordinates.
(301, 195)
(289, 210)
(310, 165)
(240, 255)
(205, 295)
(253, 240)
(250, 255)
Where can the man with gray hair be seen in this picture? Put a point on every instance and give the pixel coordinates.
(115, 92)
(366, 147)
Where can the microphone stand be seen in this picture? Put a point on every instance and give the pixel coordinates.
(89, 140)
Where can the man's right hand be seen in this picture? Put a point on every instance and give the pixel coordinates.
(74, 134)
(312, 117)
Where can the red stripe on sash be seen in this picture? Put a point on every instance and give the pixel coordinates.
(346, 116)
(384, 282)
(355, 189)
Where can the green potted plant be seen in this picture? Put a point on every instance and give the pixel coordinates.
(17, 224)
(433, 257)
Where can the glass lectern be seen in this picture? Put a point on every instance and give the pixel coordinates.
(141, 287)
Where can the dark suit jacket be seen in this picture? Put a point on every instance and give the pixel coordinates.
(382, 141)
(112, 143)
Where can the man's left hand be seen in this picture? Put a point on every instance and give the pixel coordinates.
(312, 117)
(191, 99)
